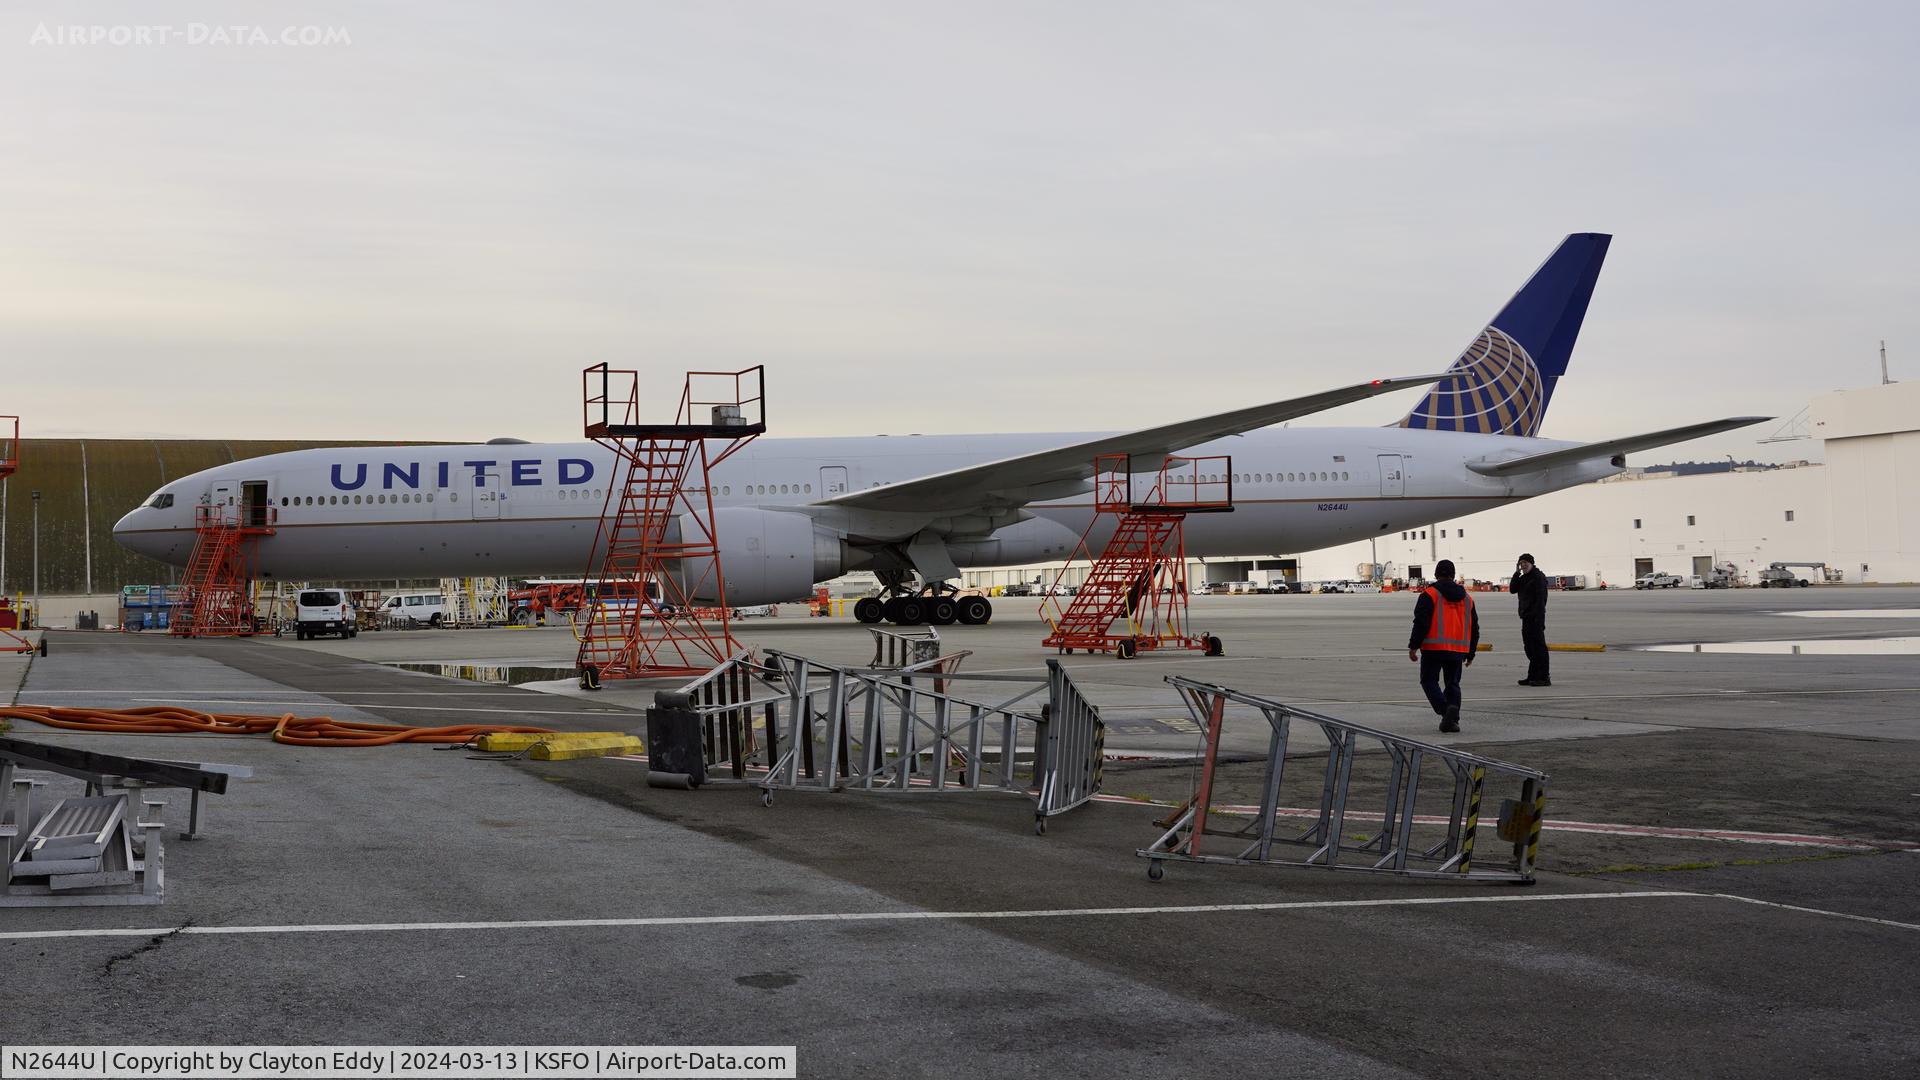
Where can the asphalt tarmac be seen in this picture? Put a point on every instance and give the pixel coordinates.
(412, 895)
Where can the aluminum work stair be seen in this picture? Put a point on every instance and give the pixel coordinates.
(659, 605)
(1115, 585)
(1140, 574)
(216, 598)
(639, 547)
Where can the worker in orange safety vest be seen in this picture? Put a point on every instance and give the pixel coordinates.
(1446, 631)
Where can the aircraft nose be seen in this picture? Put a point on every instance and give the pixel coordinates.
(135, 533)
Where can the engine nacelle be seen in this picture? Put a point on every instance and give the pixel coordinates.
(769, 556)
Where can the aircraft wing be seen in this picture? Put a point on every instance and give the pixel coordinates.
(1553, 459)
(1064, 470)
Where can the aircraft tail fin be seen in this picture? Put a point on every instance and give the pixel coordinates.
(1504, 380)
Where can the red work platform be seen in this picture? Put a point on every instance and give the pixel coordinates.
(9, 463)
(660, 602)
(1140, 575)
(217, 591)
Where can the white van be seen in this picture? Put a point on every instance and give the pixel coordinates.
(323, 611)
(424, 608)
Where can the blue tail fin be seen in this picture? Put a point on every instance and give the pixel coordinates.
(1505, 379)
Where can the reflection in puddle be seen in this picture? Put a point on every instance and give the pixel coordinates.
(1858, 613)
(1891, 646)
(502, 674)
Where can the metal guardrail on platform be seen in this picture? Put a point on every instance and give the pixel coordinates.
(901, 648)
(812, 725)
(1405, 842)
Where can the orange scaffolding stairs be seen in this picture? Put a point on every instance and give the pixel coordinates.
(216, 595)
(659, 606)
(1139, 578)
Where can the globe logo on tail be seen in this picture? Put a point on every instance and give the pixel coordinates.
(1496, 389)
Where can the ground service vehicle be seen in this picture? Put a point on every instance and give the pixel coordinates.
(323, 611)
(1778, 576)
(1659, 579)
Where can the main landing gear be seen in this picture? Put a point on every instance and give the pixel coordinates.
(936, 605)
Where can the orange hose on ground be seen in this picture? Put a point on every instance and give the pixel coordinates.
(287, 728)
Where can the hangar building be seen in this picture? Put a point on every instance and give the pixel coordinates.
(1859, 513)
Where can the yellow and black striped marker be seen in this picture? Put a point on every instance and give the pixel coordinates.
(1473, 819)
(1533, 827)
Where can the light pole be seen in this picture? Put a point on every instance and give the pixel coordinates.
(36, 554)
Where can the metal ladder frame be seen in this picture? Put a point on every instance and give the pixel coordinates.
(1393, 848)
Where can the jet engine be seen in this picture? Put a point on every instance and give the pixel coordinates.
(769, 556)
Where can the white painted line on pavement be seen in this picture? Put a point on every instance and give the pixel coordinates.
(836, 917)
(1818, 911)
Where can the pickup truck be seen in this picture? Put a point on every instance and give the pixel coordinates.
(1659, 580)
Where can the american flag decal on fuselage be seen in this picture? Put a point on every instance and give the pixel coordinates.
(1496, 390)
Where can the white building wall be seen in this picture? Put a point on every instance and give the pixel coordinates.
(1737, 517)
(1873, 458)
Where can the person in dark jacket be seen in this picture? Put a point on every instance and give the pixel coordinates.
(1530, 585)
(1446, 631)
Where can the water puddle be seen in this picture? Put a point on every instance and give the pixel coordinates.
(497, 674)
(1857, 613)
(1887, 646)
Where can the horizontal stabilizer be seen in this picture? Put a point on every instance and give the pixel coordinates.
(1017, 480)
(1554, 459)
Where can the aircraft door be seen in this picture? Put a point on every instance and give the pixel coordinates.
(1393, 476)
(833, 480)
(487, 494)
(256, 503)
(222, 496)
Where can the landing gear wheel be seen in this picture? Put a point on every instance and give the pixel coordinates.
(870, 610)
(1126, 649)
(942, 611)
(1211, 646)
(974, 610)
(1155, 871)
(890, 608)
(913, 611)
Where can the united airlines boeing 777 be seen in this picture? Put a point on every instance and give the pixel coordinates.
(793, 512)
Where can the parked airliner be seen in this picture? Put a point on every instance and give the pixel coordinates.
(793, 512)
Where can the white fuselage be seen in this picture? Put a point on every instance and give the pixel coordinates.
(535, 508)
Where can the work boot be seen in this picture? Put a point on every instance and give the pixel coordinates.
(1450, 720)
(1528, 682)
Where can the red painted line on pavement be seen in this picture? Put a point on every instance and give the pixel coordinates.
(1609, 828)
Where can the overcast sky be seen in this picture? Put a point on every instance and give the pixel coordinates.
(939, 218)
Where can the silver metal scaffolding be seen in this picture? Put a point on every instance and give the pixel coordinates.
(823, 727)
(1405, 842)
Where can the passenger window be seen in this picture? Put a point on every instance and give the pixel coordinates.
(429, 496)
(453, 496)
(810, 491)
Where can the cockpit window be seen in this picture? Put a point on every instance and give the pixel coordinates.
(161, 500)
